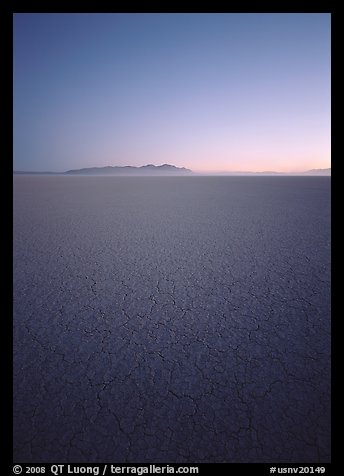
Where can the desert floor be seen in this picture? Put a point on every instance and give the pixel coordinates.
(171, 319)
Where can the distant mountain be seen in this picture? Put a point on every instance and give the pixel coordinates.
(149, 169)
(307, 172)
(318, 172)
(165, 169)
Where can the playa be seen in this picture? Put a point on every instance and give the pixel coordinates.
(171, 319)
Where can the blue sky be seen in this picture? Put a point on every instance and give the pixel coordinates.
(212, 92)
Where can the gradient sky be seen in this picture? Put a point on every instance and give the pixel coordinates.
(211, 92)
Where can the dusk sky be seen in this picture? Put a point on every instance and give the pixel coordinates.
(211, 92)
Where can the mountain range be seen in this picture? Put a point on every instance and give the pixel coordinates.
(165, 169)
(320, 172)
(149, 169)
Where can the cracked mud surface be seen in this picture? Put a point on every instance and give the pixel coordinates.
(171, 319)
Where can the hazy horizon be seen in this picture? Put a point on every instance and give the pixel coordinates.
(193, 172)
(215, 93)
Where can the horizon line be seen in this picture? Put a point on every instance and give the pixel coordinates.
(196, 172)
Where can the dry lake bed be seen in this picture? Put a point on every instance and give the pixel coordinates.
(171, 319)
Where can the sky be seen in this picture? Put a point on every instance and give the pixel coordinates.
(210, 92)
